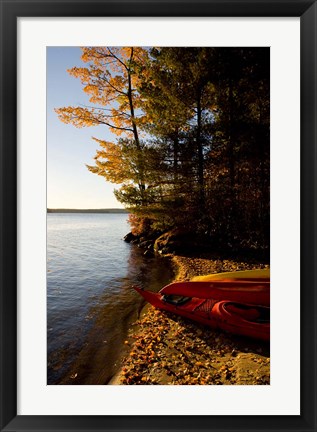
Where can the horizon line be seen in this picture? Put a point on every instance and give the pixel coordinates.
(49, 209)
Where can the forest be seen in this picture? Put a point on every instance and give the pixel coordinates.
(191, 139)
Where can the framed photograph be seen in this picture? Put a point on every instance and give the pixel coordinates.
(208, 112)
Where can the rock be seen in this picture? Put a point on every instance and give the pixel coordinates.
(174, 241)
(129, 237)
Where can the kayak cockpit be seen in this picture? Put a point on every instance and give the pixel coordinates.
(256, 314)
(175, 300)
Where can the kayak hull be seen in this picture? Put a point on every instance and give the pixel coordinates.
(255, 275)
(216, 314)
(249, 292)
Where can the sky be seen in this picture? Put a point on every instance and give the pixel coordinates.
(69, 183)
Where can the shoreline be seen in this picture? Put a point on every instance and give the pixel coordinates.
(169, 350)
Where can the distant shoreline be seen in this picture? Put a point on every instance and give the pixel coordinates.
(110, 210)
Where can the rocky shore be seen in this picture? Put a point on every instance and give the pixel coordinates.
(168, 350)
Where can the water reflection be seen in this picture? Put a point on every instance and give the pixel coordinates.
(97, 359)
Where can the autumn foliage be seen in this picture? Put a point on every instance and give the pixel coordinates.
(191, 131)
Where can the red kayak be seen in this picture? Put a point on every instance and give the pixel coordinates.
(242, 319)
(247, 320)
(255, 292)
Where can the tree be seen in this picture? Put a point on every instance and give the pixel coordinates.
(110, 80)
(193, 137)
(179, 101)
(238, 164)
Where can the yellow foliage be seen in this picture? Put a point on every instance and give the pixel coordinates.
(114, 161)
(111, 82)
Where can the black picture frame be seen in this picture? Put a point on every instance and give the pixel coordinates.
(10, 11)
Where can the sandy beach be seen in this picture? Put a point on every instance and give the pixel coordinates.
(164, 349)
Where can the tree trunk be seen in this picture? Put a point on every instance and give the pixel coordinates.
(233, 210)
(200, 153)
(136, 135)
(231, 141)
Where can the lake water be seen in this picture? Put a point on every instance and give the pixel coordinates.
(90, 302)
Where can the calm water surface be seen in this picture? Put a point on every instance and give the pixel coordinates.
(90, 302)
